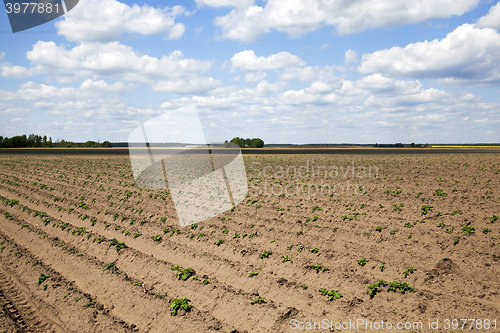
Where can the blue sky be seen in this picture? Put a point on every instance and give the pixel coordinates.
(287, 71)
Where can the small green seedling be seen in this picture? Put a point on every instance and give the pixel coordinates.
(118, 245)
(394, 285)
(99, 239)
(425, 209)
(252, 274)
(319, 267)
(179, 304)
(362, 261)
(374, 288)
(111, 266)
(468, 229)
(265, 254)
(332, 294)
(382, 266)
(157, 238)
(42, 278)
(258, 300)
(408, 270)
(185, 273)
(440, 193)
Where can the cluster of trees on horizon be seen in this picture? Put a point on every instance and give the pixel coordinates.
(34, 141)
(246, 143)
(401, 145)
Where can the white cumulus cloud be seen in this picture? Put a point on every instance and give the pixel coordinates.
(248, 61)
(173, 72)
(8, 70)
(350, 57)
(466, 55)
(309, 73)
(190, 85)
(296, 17)
(31, 91)
(224, 3)
(107, 20)
(492, 19)
(265, 88)
(255, 76)
(353, 109)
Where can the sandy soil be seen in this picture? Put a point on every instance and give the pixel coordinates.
(427, 223)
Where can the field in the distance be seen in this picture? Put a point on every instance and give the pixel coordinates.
(424, 224)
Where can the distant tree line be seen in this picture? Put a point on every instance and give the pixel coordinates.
(88, 144)
(33, 141)
(401, 145)
(246, 143)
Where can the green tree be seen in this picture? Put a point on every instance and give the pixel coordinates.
(257, 143)
(236, 141)
(250, 143)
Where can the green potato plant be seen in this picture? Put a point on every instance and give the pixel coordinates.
(362, 261)
(42, 278)
(373, 289)
(179, 304)
(468, 229)
(258, 300)
(408, 271)
(118, 245)
(265, 254)
(332, 294)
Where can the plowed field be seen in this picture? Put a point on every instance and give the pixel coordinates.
(326, 239)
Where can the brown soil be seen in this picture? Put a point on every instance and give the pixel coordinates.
(59, 215)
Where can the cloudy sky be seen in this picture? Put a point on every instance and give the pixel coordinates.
(287, 71)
